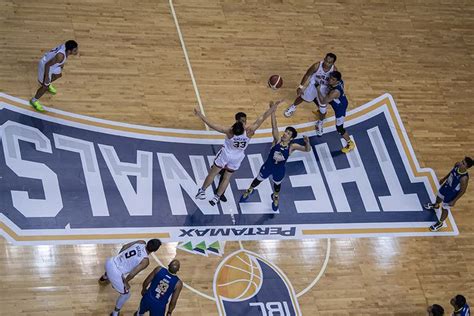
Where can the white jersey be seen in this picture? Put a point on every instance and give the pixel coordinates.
(320, 76)
(50, 55)
(236, 145)
(131, 257)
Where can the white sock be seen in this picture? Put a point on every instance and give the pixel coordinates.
(33, 99)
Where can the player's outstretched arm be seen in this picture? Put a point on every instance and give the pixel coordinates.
(174, 297)
(275, 133)
(273, 106)
(306, 147)
(142, 266)
(214, 126)
(148, 279)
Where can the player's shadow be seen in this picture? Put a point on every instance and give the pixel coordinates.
(336, 153)
(245, 220)
(197, 219)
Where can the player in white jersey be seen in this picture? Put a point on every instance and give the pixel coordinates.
(230, 156)
(242, 117)
(122, 268)
(49, 69)
(316, 75)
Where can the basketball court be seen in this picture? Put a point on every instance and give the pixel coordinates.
(119, 155)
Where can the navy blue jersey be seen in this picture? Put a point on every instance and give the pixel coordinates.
(340, 102)
(278, 156)
(275, 164)
(453, 183)
(162, 287)
(464, 311)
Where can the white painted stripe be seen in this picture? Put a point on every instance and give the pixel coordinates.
(198, 97)
(321, 272)
(237, 268)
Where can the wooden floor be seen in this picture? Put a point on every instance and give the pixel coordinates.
(131, 68)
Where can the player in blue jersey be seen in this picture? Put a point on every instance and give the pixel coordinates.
(274, 166)
(159, 286)
(453, 186)
(461, 308)
(339, 103)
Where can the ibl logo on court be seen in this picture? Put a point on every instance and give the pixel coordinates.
(69, 178)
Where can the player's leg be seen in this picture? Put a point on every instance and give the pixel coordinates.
(34, 101)
(444, 194)
(308, 95)
(222, 187)
(116, 280)
(435, 205)
(55, 76)
(444, 214)
(121, 300)
(215, 169)
(444, 197)
(276, 196)
(265, 172)
(39, 93)
(350, 145)
(221, 174)
(144, 307)
(251, 188)
(277, 178)
(322, 109)
(232, 164)
(322, 116)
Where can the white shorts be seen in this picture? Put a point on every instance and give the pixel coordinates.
(230, 161)
(52, 71)
(311, 93)
(115, 276)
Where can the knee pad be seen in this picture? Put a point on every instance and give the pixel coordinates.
(340, 129)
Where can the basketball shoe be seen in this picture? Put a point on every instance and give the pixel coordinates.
(37, 105)
(201, 194)
(290, 110)
(349, 147)
(246, 195)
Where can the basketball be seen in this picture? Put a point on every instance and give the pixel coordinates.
(275, 82)
(239, 277)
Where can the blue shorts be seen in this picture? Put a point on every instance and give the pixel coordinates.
(447, 194)
(277, 173)
(339, 110)
(148, 304)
